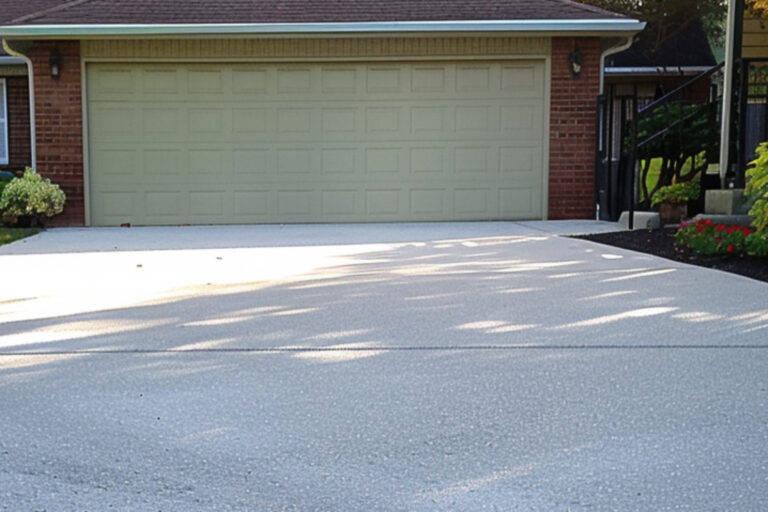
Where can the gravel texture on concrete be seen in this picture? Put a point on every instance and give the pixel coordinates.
(458, 367)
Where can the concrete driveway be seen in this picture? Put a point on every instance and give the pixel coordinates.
(412, 367)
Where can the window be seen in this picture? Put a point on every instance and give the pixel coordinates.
(3, 124)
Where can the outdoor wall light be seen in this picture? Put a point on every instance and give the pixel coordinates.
(575, 62)
(56, 64)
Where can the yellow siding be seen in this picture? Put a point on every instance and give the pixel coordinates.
(315, 48)
(755, 40)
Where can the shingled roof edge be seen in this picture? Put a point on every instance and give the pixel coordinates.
(621, 26)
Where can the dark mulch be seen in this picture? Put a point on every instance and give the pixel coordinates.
(661, 242)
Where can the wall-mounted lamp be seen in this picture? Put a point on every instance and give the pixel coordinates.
(56, 64)
(575, 62)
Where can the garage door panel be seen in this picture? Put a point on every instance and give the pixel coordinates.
(333, 142)
(517, 201)
(473, 202)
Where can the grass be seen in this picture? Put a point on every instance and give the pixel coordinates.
(655, 170)
(8, 235)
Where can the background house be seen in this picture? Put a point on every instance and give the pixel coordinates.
(173, 112)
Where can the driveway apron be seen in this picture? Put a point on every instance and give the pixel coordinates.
(392, 367)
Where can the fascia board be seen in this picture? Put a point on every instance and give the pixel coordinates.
(597, 27)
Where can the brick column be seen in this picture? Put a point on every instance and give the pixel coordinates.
(573, 129)
(59, 125)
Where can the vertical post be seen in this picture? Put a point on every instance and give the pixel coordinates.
(610, 186)
(732, 38)
(741, 146)
(633, 167)
(600, 172)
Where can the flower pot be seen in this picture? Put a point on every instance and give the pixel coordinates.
(672, 213)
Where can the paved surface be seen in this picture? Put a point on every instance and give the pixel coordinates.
(445, 367)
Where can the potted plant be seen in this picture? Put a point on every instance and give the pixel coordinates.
(673, 200)
(28, 200)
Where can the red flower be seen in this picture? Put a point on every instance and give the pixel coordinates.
(732, 229)
(720, 227)
(707, 222)
(746, 231)
(730, 248)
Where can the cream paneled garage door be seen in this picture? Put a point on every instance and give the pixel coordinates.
(331, 142)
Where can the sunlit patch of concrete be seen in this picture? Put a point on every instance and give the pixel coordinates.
(341, 353)
(338, 334)
(227, 320)
(435, 296)
(532, 267)
(26, 360)
(481, 325)
(519, 290)
(512, 328)
(290, 312)
(476, 484)
(697, 316)
(495, 326)
(610, 295)
(650, 273)
(75, 330)
(205, 345)
(627, 315)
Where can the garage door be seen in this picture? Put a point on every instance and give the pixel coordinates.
(333, 142)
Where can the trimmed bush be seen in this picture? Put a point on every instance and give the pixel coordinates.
(31, 196)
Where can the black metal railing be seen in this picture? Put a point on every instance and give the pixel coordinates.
(642, 147)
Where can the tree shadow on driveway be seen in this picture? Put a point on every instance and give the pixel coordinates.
(531, 372)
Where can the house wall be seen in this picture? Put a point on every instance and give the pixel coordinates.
(572, 110)
(59, 125)
(573, 129)
(17, 90)
(754, 37)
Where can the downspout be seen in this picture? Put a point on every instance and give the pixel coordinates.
(31, 82)
(617, 48)
(730, 53)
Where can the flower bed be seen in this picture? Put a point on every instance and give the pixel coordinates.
(709, 239)
(661, 242)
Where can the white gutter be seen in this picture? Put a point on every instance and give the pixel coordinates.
(11, 61)
(31, 82)
(617, 26)
(617, 48)
(725, 129)
(654, 70)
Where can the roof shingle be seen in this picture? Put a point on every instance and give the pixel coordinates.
(87, 12)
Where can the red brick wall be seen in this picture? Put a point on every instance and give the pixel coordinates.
(59, 125)
(17, 95)
(573, 120)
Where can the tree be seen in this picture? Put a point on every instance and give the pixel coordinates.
(757, 7)
(667, 18)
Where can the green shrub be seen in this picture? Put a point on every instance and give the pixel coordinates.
(31, 195)
(757, 188)
(757, 244)
(677, 193)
